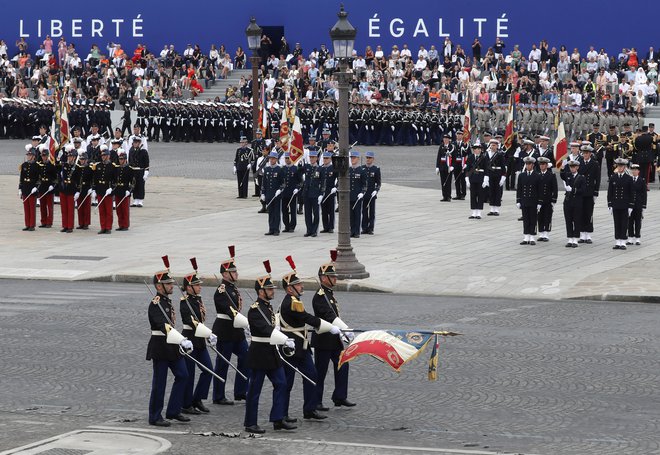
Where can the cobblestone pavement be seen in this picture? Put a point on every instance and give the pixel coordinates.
(528, 376)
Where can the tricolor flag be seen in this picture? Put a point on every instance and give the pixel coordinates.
(561, 147)
(467, 121)
(263, 111)
(64, 120)
(510, 130)
(296, 149)
(394, 347)
(284, 131)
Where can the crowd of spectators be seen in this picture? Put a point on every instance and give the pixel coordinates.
(436, 76)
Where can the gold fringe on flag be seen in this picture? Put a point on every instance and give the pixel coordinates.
(433, 361)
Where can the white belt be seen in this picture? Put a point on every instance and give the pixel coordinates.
(186, 326)
(261, 339)
(157, 333)
(293, 329)
(223, 316)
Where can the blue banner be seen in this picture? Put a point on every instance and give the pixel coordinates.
(155, 23)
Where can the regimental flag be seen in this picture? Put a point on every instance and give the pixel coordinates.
(467, 121)
(394, 347)
(263, 111)
(561, 146)
(284, 131)
(296, 149)
(510, 130)
(64, 120)
(433, 361)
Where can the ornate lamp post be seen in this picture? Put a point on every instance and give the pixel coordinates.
(343, 42)
(253, 33)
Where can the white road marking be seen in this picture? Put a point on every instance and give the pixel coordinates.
(139, 430)
(51, 274)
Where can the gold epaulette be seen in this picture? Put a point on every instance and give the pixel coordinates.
(221, 288)
(115, 164)
(93, 166)
(297, 305)
(20, 166)
(255, 305)
(320, 291)
(156, 300)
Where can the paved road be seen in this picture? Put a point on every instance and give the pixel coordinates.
(535, 376)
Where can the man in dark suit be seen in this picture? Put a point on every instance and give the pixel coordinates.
(644, 153)
(528, 200)
(590, 169)
(639, 206)
(575, 185)
(619, 202)
(548, 196)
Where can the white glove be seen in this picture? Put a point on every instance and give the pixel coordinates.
(320, 199)
(234, 170)
(263, 197)
(278, 192)
(486, 182)
(437, 171)
(50, 188)
(374, 193)
(128, 193)
(350, 336)
(502, 180)
(568, 188)
(609, 209)
(213, 339)
(553, 204)
(333, 190)
(89, 191)
(518, 204)
(360, 196)
(146, 175)
(93, 194)
(538, 207)
(76, 196)
(467, 182)
(451, 168)
(295, 191)
(335, 330)
(629, 212)
(108, 191)
(20, 194)
(186, 344)
(34, 190)
(289, 343)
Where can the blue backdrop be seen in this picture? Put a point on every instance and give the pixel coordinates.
(573, 23)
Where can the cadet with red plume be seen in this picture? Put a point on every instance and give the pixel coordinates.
(328, 346)
(263, 358)
(294, 320)
(230, 327)
(163, 351)
(193, 316)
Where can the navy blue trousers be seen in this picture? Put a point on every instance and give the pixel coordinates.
(369, 214)
(312, 215)
(275, 214)
(255, 384)
(356, 217)
(322, 359)
(193, 394)
(159, 384)
(306, 366)
(328, 213)
(227, 348)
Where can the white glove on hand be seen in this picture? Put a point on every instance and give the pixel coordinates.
(234, 170)
(595, 197)
(629, 212)
(93, 194)
(76, 196)
(335, 330)
(609, 209)
(108, 191)
(486, 182)
(295, 191)
(263, 197)
(360, 196)
(333, 190)
(502, 180)
(20, 194)
(50, 188)
(568, 188)
(437, 171)
(538, 207)
(34, 190)
(146, 175)
(213, 339)
(89, 191)
(350, 336)
(320, 199)
(467, 182)
(374, 193)
(290, 343)
(451, 168)
(128, 193)
(553, 204)
(518, 204)
(186, 344)
(278, 192)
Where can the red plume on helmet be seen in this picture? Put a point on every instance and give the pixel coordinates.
(267, 265)
(166, 261)
(232, 250)
(292, 264)
(193, 261)
(333, 255)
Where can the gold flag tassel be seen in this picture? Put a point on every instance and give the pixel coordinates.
(433, 361)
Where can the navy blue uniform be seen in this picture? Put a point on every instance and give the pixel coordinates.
(164, 356)
(358, 186)
(272, 182)
(231, 340)
(639, 205)
(372, 174)
(328, 206)
(313, 187)
(475, 170)
(548, 193)
(573, 204)
(620, 199)
(591, 171)
(527, 195)
(201, 392)
(292, 181)
(242, 161)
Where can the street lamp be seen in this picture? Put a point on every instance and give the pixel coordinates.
(253, 33)
(343, 41)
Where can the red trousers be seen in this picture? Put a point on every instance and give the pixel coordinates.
(85, 210)
(30, 210)
(46, 209)
(122, 208)
(66, 204)
(105, 213)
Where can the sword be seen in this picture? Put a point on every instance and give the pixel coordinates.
(26, 198)
(271, 201)
(39, 198)
(181, 350)
(294, 195)
(122, 199)
(101, 201)
(84, 199)
(294, 368)
(324, 199)
(356, 203)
